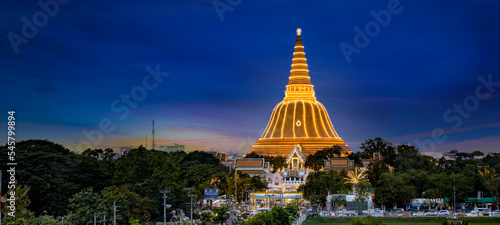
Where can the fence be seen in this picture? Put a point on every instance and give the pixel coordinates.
(300, 220)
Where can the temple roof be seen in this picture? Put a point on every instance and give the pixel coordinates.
(296, 153)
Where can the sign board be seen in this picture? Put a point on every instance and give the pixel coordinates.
(211, 192)
(356, 205)
(168, 206)
(277, 196)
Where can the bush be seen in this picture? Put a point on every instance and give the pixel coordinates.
(293, 211)
(206, 218)
(366, 221)
(281, 216)
(277, 216)
(263, 218)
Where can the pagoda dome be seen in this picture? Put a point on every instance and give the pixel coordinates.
(299, 118)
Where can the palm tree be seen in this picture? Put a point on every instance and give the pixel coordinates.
(354, 177)
(491, 181)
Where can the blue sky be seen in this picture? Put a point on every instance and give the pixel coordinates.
(227, 71)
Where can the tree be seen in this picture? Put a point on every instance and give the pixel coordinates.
(54, 174)
(245, 183)
(355, 177)
(277, 163)
(253, 155)
(198, 157)
(316, 161)
(263, 218)
(201, 176)
(391, 189)
(221, 214)
(83, 205)
(320, 183)
(385, 148)
(492, 181)
(476, 153)
(206, 218)
(45, 220)
(21, 214)
(145, 172)
(375, 170)
(371, 146)
(293, 211)
(132, 205)
(333, 152)
(409, 158)
(281, 216)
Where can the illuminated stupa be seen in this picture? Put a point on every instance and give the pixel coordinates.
(299, 118)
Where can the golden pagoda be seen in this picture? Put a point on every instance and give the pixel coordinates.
(299, 118)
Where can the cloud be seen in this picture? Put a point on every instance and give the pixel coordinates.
(447, 131)
(486, 144)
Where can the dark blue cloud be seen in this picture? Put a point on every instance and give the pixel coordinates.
(228, 75)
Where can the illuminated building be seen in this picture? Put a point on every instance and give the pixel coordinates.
(299, 118)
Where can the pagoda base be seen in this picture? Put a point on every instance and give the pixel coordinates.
(283, 146)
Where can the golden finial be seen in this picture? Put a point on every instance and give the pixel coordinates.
(298, 31)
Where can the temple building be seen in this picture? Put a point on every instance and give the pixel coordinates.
(299, 119)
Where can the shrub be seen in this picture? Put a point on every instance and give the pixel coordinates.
(366, 221)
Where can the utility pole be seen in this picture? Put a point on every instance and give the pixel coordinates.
(164, 192)
(235, 190)
(192, 207)
(454, 203)
(235, 186)
(115, 209)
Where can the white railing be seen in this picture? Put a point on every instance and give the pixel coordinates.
(300, 220)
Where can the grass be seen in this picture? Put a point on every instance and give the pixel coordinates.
(404, 221)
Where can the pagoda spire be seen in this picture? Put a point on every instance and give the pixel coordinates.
(299, 84)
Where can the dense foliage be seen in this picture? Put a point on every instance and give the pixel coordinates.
(277, 216)
(404, 173)
(55, 181)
